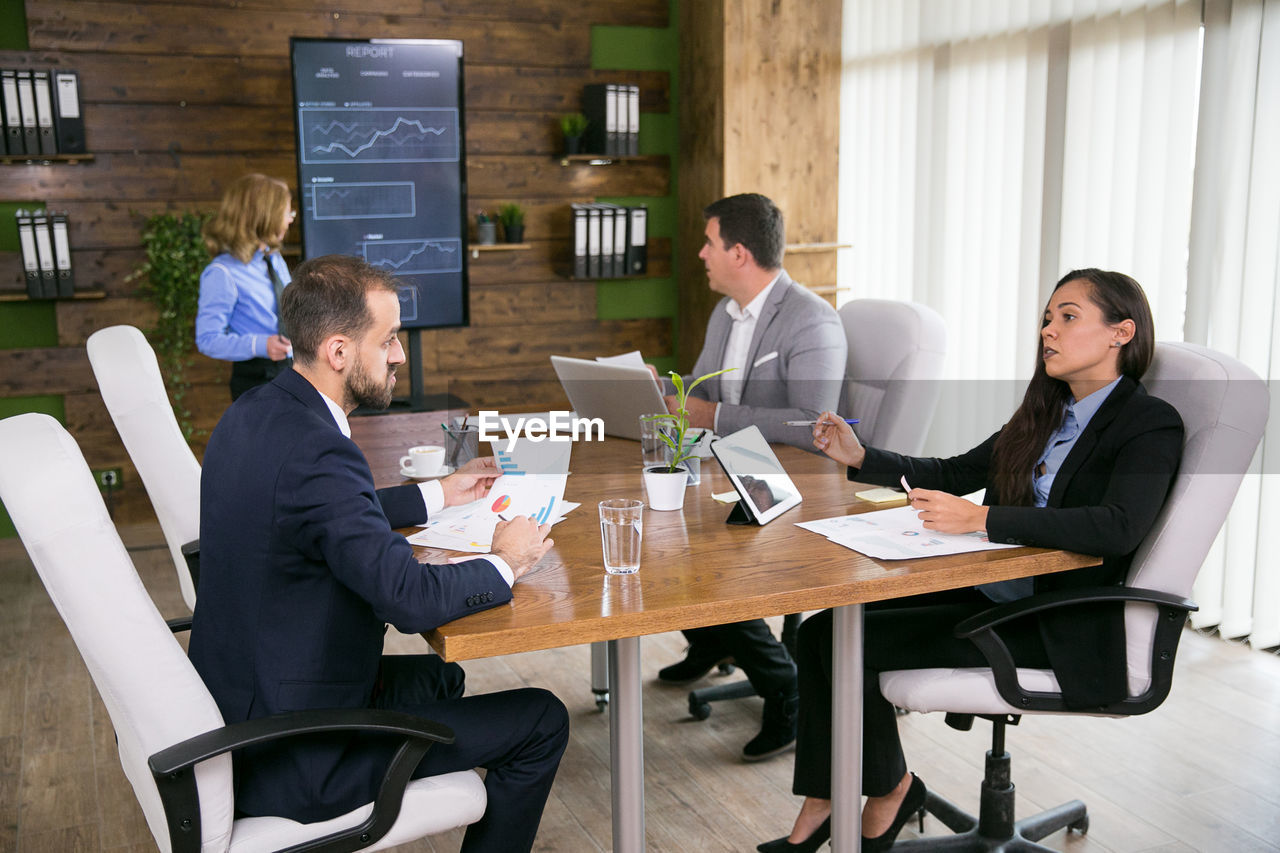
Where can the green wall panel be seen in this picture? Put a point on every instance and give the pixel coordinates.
(645, 49)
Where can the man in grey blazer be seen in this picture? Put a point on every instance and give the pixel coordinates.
(787, 348)
(786, 343)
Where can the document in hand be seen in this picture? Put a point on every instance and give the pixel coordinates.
(470, 527)
(896, 534)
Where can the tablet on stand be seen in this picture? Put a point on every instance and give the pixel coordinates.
(764, 489)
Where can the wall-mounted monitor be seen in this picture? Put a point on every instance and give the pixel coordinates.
(382, 164)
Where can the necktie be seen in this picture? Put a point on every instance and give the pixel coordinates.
(278, 286)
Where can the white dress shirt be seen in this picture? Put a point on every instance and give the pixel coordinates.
(739, 344)
(432, 492)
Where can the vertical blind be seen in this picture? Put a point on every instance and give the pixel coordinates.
(989, 146)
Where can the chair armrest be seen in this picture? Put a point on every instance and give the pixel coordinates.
(980, 629)
(1063, 598)
(191, 553)
(178, 624)
(172, 768)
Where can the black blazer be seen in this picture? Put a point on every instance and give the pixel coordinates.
(300, 571)
(1104, 500)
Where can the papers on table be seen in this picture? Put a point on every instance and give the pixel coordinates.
(626, 359)
(470, 527)
(896, 534)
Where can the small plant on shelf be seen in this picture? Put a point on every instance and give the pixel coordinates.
(511, 215)
(573, 126)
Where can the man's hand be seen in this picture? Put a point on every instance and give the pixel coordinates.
(654, 371)
(470, 482)
(701, 412)
(278, 347)
(947, 513)
(521, 542)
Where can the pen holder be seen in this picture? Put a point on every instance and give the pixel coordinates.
(486, 233)
(461, 445)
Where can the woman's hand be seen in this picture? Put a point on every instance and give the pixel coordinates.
(471, 481)
(947, 513)
(278, 347)
(835, 438)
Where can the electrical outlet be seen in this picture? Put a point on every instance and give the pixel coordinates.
(109, 478)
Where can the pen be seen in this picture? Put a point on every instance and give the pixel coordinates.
(849, 421)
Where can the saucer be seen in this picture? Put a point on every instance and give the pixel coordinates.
(445, 471)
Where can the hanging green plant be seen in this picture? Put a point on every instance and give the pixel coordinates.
(170, 279)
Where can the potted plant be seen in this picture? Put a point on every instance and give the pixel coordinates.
(573, 126)
(511, 215)
(486, 229)
(170, 280)
(665, 483)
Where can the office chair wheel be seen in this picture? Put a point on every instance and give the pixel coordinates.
(699, 710)
(1081, 826)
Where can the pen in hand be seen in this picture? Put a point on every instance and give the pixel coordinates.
(849, 421)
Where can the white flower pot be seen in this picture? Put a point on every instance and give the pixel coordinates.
(666, 490)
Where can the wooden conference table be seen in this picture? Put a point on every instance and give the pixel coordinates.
(695, 570)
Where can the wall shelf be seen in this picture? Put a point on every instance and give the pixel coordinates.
(79, 294)
(606, 159)
(43, 159)
(826, 289)
(477, 248)
(815, 248)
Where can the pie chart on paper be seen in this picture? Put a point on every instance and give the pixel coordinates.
(501, 503)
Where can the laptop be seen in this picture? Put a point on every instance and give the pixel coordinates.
(616, 394)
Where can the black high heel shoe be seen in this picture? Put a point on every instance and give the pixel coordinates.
(911, 804)
(809, 845)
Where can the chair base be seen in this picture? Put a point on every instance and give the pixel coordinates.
(994, 830)
(969, 837)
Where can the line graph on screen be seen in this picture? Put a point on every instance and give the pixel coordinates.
(378, 135)
(404, 257)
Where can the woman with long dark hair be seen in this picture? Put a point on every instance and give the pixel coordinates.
(1084, 464)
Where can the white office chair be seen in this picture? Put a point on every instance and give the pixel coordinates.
(1223, 405)
(893, 372)
(129, 378)
(174, 746)
(892, 383)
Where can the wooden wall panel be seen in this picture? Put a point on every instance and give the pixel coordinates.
(759, 112)
(133, 78)
(183, 96)
(130, 27)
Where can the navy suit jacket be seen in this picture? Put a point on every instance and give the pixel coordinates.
(1104, 499)
(300, 571)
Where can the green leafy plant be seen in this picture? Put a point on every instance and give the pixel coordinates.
(678, 424)
(170, 280)
(511, 214)
(573, 124)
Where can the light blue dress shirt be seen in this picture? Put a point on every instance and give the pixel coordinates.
(237, 309)
(1074, 420)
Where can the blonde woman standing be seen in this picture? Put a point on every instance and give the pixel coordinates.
(238, 317)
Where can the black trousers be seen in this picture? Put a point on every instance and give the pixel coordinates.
(764, 660)
(906, 633)
(518, 736)
(254, 372)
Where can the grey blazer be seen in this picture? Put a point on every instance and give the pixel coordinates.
(795, 365)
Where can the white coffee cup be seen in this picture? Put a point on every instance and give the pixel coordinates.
(425, 460)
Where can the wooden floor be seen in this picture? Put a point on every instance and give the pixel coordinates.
(1200, 773)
